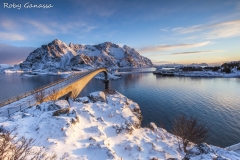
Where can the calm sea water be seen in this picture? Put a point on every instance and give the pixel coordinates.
(215, 101)
(13, 84)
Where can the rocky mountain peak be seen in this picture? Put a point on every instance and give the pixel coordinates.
(71, 45)
(56, 42)
(105, 46)
(57, 55)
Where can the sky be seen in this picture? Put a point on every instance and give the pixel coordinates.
(165, 31)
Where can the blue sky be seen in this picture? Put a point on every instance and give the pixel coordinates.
(173, 31)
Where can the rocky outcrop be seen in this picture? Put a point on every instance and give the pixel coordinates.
(61, 111)
(97, 96)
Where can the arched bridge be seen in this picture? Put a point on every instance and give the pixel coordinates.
(72, 85)
(75, 85)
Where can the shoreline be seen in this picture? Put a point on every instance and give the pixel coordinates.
(202, 74)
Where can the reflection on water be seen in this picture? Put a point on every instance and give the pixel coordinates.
(214, 100)
(13, 84)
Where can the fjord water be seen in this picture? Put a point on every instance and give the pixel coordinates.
(215, 101)
(14, 84)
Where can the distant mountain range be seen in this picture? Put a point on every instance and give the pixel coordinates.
(175, 65)
(59, 56)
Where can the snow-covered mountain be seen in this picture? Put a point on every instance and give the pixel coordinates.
(58, 55)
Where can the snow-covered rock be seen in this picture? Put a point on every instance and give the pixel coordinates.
(97, 96)
(59, 56)
(205, 151)
(62, 104)
(82, 99)
(102, 130)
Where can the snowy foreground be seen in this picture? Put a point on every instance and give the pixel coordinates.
(102, 126)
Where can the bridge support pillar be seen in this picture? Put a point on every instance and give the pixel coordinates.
(106, 84)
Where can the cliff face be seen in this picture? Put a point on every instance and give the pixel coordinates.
(58, 55)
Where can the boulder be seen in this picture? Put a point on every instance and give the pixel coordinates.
(61, 111)
(153, 126)
(82, 99)
(62, 104)
(97, 96)
(200, 149)
(48, 106)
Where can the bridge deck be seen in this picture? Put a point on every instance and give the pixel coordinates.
(28, 99)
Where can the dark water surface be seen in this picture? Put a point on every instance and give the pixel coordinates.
(216, 101)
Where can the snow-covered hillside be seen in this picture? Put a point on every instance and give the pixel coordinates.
(102, 126)
(59, 56)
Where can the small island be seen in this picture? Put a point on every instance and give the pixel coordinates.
(226, 70)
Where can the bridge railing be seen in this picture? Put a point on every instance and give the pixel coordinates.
(69, 79)
(8, 112)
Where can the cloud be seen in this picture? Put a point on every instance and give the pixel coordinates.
(172, 47)
(54, 28)
(213, 31)
(8, 24)
(196, 52)
(186, 53)
(32, 28)
(69, 26)
(11, 36)
(161, 62)
(224, 30)
(12, 54)
(190, 29)
(41, 27)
